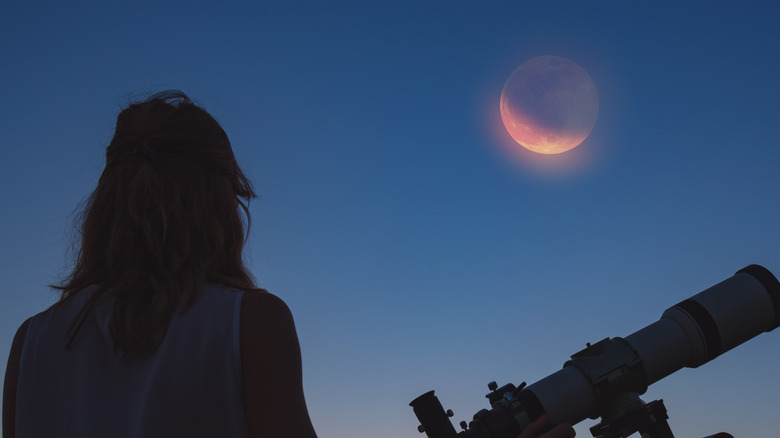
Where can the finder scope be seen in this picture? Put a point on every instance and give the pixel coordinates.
(605, 379)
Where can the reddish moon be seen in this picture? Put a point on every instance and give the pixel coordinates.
(549, 105)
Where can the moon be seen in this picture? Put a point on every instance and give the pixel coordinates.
(549, 105)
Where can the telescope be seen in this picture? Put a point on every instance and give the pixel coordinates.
(606, 379)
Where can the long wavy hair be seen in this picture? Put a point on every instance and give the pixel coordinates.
(169, 213)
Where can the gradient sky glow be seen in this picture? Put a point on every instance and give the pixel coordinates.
(413, 252)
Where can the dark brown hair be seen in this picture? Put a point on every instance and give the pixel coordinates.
(165, 217)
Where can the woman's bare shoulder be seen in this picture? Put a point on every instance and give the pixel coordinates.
(262, 302)
(264, 312)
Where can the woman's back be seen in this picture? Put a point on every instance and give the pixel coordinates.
(190, 386)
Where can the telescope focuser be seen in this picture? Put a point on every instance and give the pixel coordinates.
(507, 418)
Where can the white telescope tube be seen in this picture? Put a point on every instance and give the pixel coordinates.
(689, 334)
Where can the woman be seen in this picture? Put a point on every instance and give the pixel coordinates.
(160, 329)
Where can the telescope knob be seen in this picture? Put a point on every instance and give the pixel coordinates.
(421, 428)
(492, 386)
(449, 413)
(463, 425)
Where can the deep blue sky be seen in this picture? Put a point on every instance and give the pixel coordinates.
(413, 254)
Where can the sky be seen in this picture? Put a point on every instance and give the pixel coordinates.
(412, 251)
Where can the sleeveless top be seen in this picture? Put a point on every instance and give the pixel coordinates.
(189, 387)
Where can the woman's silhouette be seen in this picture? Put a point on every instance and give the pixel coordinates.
(160, 330)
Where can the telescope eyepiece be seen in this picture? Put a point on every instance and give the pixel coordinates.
(434, 421)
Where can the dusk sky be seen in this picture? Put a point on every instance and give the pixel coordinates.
(412, 251)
